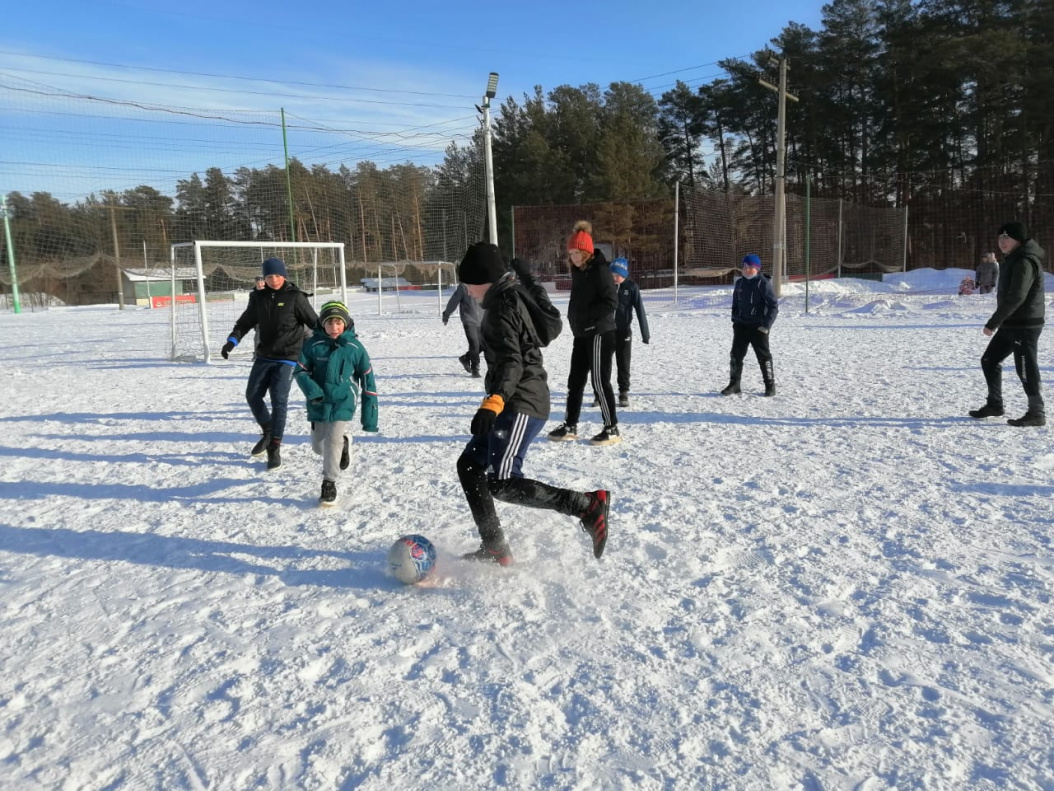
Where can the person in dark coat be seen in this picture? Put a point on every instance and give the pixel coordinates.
(591, 316)
(1016, 325)
(471, 316)
(281, 313)
(754, 310)
(987, 273)
(514, 410)
(629, 301)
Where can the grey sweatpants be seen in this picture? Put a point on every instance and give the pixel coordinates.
(327, 440)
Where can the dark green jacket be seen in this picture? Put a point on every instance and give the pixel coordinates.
(333, 373)
(1020, 299)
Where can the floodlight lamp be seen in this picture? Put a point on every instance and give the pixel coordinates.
(492, 85)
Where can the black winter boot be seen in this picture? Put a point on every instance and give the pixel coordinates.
(274, 455)
(735, 373)
(260, 448)
(988, 410)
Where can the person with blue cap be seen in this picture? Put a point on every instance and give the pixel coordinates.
(280, 312)
(754, 309)
(629, 301)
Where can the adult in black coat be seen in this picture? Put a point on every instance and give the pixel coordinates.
(281, 313)
(1016, 325)
(591, 316)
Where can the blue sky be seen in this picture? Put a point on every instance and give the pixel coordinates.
(398, 80)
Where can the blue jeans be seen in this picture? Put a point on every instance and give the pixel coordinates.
(275, 376)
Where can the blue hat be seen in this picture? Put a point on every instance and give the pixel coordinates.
(274, 266)
(620, 266)
(752, 260)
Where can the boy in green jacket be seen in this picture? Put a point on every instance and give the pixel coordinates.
(333, 371)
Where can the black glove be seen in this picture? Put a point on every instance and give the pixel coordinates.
(445, 320)
(228, 347)
(523, 271)
(483, 422)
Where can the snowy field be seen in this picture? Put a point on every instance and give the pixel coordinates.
(848, 586)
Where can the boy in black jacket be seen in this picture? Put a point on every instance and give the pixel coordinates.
(280, 312)
(512, 414)
(629, 300)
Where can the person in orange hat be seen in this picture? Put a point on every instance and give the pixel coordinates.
(591, 316)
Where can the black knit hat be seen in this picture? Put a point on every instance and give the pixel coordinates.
(482, 264)
(1015, 230)
(334, 310)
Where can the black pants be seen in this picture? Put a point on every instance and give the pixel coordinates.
(1023, 343)
(592, 355)
(623, 355)
(472, 335)
(986, 289)
(744, 335)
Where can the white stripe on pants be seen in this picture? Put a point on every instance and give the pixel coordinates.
(327, 440)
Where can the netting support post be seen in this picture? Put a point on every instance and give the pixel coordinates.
(839, 270)
(9, 241)
(676, 233)
(904, 264)
(172, 297)
(203, 312)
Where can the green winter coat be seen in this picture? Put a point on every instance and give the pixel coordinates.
(333, 373)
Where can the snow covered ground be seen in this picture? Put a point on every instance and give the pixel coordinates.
(848, 586)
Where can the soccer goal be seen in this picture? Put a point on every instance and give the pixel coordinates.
(210, 284)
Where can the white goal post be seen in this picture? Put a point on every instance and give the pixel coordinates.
(210, 282)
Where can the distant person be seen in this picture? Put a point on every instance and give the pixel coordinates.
(629, 301)
(280, 312)
(334, 372)
(258, 284)
(966, 287)
(513, 412)
(987, 273)
(471, 316)
(754, 310)
(591, 316)
(1016, 325)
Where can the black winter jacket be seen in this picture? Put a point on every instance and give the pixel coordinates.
(514, 362)
(754, 302)
(628, 301)
(280, 318)
(591, 309)
(1019, 297)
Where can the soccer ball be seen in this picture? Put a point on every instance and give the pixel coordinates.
(412, 559)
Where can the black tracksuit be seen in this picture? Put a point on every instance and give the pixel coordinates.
(629, 301)
(591, 317)
(1017, 322)
(754, 310)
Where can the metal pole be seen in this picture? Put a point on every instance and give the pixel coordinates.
(202, 304)
(288, 181)
(676, 233)
(905, 264)
(808, 234)
(839, 261)
(116, 257)
(146, 269)
(172, 296)
(778, 242)
(10, 255)
(488, 161)
(380, 288)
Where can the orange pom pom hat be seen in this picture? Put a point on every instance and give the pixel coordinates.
(581, 237)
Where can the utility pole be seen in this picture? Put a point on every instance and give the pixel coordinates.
(10, 255)
(116, 255)
(779, 222)
(488, 158)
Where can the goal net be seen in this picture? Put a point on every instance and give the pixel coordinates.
(210, 283)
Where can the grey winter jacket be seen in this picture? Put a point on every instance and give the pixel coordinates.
(987, 273)
(471, 312)
(1019, 296)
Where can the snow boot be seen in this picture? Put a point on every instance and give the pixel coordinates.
(735, 373)
(274, 455)
(1030, 418)
(260, 448)
(731, 389)
(329, 494)
(988, 410)
(564, 432)
(497, 553)
(770, 389)
(595, 519)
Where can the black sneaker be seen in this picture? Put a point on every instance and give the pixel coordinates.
(732, 389)
(345, 457)
(623, 399)
(500, 554)
(274, 455)
(770, 389)
(475, 373)
(1028, 419)
(260, 448)
(565, 431)
(463, 359)
(987, 411)
(329, 494)
(595, 520)
(609, 436)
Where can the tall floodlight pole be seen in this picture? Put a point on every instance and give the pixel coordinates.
(10, 254)
(488, 159)
(779, 222)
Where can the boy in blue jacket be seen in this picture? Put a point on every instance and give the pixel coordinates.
(629, 301)
(754, 309)
(334, 370)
